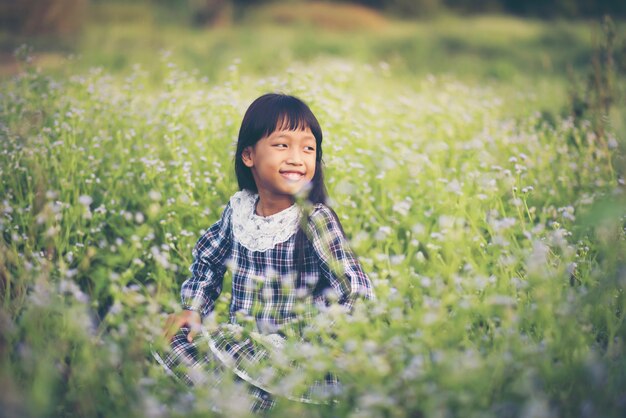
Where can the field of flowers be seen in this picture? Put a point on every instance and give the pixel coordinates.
(494, 237)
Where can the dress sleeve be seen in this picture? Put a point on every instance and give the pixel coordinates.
(338, 262)
(200, 291)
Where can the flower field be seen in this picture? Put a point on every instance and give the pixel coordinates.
(494, 236)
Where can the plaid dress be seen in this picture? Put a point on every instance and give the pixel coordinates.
(268, 284)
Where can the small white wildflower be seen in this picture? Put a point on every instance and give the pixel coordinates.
(382, 233)
(502, 300)
(52, 231)
(402, 207)
(437, 236)
(85, 200)
(455, 187)
(418, 229)
(537, 260)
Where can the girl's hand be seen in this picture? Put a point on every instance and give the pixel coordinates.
(175, 321)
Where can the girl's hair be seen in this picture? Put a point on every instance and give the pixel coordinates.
(267, 114)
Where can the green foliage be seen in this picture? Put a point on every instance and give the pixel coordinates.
(603, 93)
(510, 50)
(494, 234)
(495, 248)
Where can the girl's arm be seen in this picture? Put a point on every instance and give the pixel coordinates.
(200, 291)
(338, 262)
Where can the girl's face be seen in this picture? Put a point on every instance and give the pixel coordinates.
(283, 162)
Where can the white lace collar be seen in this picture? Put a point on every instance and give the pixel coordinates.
(261, 233)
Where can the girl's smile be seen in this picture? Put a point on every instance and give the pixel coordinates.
(292, 175)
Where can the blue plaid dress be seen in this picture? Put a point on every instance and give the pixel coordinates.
(268, 284)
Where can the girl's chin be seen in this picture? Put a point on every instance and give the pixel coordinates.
(298, 190)
(303, 190)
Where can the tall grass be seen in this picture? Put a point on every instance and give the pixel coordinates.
(118, 35)
(491, 235)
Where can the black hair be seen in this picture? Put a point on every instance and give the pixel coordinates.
(271, 112)
(265, 115)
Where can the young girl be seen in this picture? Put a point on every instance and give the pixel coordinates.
(279, 256)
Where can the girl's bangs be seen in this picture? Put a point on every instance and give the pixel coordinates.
(291, 120)
(272, 112)
(291, 115)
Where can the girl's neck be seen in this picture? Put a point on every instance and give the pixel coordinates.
(269, 205)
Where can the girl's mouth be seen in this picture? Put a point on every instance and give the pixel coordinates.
(292, 175)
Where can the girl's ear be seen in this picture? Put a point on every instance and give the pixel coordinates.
(246, 157)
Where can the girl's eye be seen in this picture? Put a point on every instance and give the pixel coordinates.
(280, 145)
(310, 148)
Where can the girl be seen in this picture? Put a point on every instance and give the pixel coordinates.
(279, 256)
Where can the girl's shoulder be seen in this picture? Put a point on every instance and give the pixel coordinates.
(323, 216)
(321, 210)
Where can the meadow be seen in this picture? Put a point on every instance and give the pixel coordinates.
(490, 220)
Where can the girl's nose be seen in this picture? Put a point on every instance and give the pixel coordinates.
(294, 157)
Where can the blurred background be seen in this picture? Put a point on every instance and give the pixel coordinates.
(501, 39)
(562, 48)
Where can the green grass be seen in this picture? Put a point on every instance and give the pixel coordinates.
(494, 235)
(117, 37)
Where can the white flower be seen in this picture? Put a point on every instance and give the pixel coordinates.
(154, 195)
(85, 200)
(446, 221)
(418, 229)
(382, 233)
(397, 259)
(402, 207)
